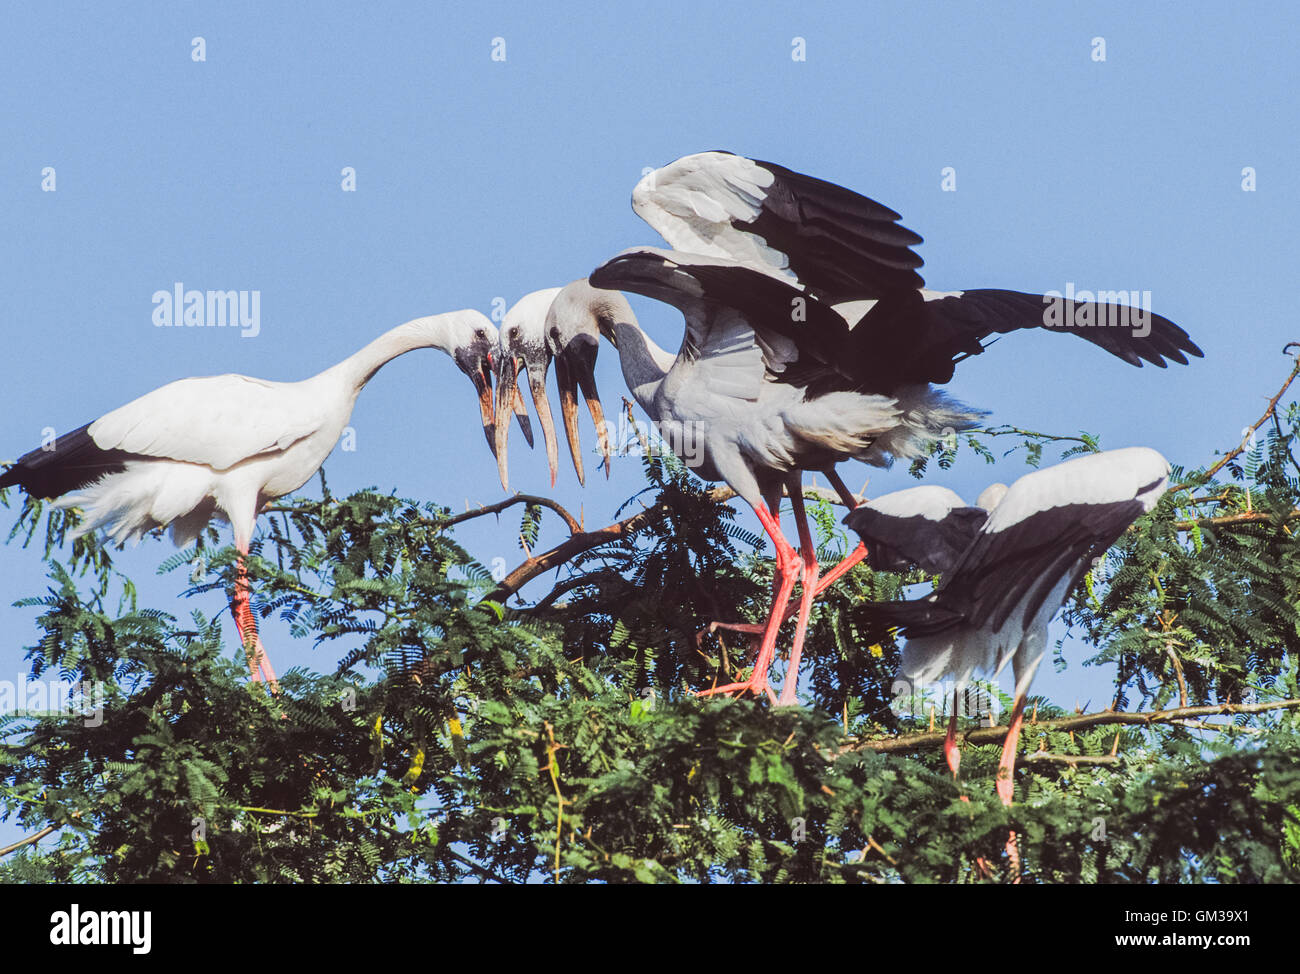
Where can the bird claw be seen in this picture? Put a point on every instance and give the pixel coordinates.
(756, 687)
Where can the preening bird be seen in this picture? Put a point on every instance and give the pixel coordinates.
(810, 339)
(223, 446)
(1008, 564)
(536, 330)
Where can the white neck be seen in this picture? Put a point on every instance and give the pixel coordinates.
(360, 367)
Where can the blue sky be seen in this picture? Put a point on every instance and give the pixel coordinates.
(479, 179)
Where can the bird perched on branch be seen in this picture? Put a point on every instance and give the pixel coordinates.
(224, 446)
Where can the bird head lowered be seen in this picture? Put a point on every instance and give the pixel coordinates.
(576, 319)
(522, 345)
(472, 342)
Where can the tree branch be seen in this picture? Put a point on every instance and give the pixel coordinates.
(37, 836)
(570, 521)
(1231, 455)
(581, 541)
(34, 837)
(1223, 520)
(1073, 760)
(996, 735)
(1030, 434)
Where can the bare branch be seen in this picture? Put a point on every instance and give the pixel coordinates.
(574, 526)
(1241, 447)
(996, 735)
(34, 837)
(1073, 760)
(581, 541)
(37, 836)
(585, 541)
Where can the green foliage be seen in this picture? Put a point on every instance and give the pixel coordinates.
(453, 738)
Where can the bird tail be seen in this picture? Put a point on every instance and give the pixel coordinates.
(918, 617)
(936, 647)
(130, 504)
(929, 416)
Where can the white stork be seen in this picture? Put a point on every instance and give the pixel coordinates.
(1008, 564)
(532, 334)
(809, 340)
(225, 445)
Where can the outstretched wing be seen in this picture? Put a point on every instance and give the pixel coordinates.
(838, 245)
(851, 252)
(919, 336)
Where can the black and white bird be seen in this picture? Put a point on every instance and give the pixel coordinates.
(810, 339)
(1008, 563)
(224, 446)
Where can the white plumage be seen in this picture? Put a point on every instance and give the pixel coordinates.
(810, 338)
(223, 446)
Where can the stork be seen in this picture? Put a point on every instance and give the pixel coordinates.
(223, 446)
(532, 334)
(1008, 564)
(850, 252)
(790, 281)
(752, 399)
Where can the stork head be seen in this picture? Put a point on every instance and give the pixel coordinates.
(577, 318)
(470, 339)
(523, 347)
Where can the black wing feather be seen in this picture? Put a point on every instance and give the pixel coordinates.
(908, 339)
(894, 544)
(73, 461)
(842, 245)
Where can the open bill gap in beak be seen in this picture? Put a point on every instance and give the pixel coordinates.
(507, 393)
(570, 372)
(482, 379)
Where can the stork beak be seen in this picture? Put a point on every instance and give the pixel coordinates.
(537, 389)
(576, 366)
(507, 396)
(480, 374)
(521, 414)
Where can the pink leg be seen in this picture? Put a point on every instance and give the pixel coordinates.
(785, 578)
(826, 581)
(853, 557)
(754, 629)
(1006, 768)
(951, 753)
(259, 665)
(808, 555)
